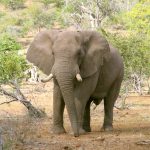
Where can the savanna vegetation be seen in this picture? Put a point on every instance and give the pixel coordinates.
(126, 25)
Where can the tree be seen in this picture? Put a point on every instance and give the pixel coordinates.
(134, 45)
(89, 14)
(12, 67)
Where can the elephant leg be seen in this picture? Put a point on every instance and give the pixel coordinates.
(80, 106)
(83, 92)
(58, 110)
(86, 118)
(109, 102)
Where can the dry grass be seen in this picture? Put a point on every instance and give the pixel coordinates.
(19, 132)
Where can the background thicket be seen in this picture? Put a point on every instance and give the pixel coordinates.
(126, 24)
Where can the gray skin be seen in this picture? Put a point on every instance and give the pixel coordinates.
(64, 54)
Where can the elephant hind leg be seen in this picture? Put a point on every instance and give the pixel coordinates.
(109, 102)
(86, 117)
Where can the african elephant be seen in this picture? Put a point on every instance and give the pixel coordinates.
(84, 67)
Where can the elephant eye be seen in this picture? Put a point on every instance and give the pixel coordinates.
(80, 53)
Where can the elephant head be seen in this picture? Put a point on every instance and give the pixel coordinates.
(66, 56)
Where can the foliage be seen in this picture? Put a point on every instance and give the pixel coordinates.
(89, 14)
(133, 38)
(135, 52)
(45, 18)
(139, 17)
(7, 21)
(59, 3)
(13, 4)
(42, 19)
(7, 43)
(11, 65)
(46, 2)
(2, 14)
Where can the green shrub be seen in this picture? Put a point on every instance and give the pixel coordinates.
(8, 43)
(135, 52)
(9, 20)
(42, 19)
(133, 40)
(45, 18)
(11, 64)
(13, 4)
(46, 2)
(2, 14)
(11, 67)
(58, 3)
(139, 17)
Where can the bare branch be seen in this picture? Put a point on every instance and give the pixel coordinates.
(8, 102)
(8, 93)
(18, 96)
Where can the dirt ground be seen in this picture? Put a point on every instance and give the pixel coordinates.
(20, 132)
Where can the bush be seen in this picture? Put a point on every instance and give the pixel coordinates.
(42, 19)
(133, 42)
(139, 17)
(2, 14)
(10, 21)
(45, 18)
(46, 2)
(7, 43)
(11, 65)
(13, 4)
(58, 3)
(135, 52)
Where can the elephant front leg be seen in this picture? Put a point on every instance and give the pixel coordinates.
(58, 110)
(80, 105)
(83, 93)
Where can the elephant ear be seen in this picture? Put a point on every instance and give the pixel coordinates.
(40, 51)
(96, 50)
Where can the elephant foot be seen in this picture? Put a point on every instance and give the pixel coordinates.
(58, 130)
(87, 128)
(82, 131)
(107, 128)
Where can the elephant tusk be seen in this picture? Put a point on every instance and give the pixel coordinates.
(79, 78)
(48, 78)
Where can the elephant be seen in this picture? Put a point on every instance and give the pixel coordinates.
(84, 68)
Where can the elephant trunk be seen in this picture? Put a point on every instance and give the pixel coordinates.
(65, 82)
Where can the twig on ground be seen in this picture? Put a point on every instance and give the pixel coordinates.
(8, 102)
(143, 142)
(121, 108)
(18, 96)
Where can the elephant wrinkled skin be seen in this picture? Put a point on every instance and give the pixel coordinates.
(84, 68)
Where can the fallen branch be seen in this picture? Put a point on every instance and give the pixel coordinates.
(121, 108)
(18, 96)
(8, 102)
(144, 142)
